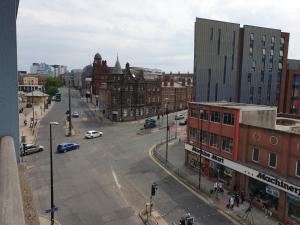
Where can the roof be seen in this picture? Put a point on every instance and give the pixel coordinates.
(117, 69)
(235, 105)
(37, 94)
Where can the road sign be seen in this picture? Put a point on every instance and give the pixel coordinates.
(55, 209)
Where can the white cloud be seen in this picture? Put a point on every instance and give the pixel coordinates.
(146, 33)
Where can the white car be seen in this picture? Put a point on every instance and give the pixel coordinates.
(93, 134)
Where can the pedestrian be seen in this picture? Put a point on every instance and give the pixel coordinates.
(25, 122)
(216, 186)
(231, 202)
(242, 196)
(237, 199)
(220, 187)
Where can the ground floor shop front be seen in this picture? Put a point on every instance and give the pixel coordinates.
(276, 196)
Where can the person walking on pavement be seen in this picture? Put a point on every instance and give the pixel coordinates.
(231, 202)
(237, 199)
(216, 186)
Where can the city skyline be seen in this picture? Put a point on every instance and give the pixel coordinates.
(145, 34)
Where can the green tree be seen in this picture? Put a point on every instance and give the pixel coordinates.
(52, 84)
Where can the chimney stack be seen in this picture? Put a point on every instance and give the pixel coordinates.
(172, 82)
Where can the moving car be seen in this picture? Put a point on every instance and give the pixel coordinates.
(183, 122)
(93, 134)
(179, 117)
(75, 114)
(149, 123)
(65, 147)
(28, 149)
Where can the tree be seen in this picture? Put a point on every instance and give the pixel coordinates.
(52, 84)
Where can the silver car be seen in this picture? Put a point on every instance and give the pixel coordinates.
(93, 134)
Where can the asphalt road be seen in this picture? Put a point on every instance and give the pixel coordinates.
(108, 180)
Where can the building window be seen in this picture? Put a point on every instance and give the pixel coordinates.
(204, 115)
(272, 39)
(272, 52)
(216, 117)
(204, 137)
(213, 140)
(194, 113)
(255, 154)
(298, 168)
(264, 51)
(224, 72)
(216, 92)
(280, 66)
(249, 77)
(251, 52)
(228, 118)
(262, 76)
(282, 40)
(272, 160)
(211, 34)
(251, 90)
(251, 37)
(259, 90)
(263, 38)
(193, 134)
(253, 64)
(227, 143)
(280, 53)
(219, 40)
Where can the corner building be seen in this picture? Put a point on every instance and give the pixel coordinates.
(239, 64)
(249, 149)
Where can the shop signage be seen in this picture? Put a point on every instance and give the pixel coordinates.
(270, 180)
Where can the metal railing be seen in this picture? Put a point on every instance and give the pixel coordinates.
(11, 203)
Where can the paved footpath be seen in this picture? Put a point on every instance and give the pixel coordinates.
(176, 158)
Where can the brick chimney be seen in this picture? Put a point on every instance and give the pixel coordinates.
(189, 81)
(172, 82)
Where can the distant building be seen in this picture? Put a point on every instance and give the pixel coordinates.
(129, 96)
(291, 100)
(59, 70)
(101, 73)
(30, 82)
(42, 68)
(239, 64)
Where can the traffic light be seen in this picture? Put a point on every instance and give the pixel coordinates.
(153, 189)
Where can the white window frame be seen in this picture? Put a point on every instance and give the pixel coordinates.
(253, 154)
(269, 160)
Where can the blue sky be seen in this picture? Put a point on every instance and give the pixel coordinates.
(148, 33)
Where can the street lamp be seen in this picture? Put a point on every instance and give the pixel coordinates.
(51, 173)
(200, 119)
(167, 136)
(70, 117)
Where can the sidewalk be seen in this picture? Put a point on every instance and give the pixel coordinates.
(30, 133)
(176, 166)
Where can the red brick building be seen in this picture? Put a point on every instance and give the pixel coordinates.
(101, 73)
(249, 148)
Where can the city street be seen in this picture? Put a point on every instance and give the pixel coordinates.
(108, 180)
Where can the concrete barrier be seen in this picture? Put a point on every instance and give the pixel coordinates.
(11, 203)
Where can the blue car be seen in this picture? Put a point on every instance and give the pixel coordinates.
(65, 147)
(75, 114)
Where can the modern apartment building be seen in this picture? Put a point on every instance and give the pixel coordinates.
(239, 64)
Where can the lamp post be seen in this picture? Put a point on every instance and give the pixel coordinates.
(51, 173)
(200, 154)
(167, 136)
(70, 117)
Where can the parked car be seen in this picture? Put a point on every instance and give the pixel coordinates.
(65, 147)
(93, 134)
(75, 114)
(149, 123)
(183, 122)
(179, 117)
(28, 149)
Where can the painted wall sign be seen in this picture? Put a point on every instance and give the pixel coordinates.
(261, 176)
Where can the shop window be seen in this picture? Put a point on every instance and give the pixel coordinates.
(214, 140)
(204, 137)
(255, 154)
(193, 133)
(204, 115)
(298, 168)
(216, 117)
(228, 118)
(227, 143)
(194, 113)
(293, 207)
(272, 160)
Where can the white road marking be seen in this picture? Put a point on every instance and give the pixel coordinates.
(118, 185)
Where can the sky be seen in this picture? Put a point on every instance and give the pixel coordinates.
(147, 33)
